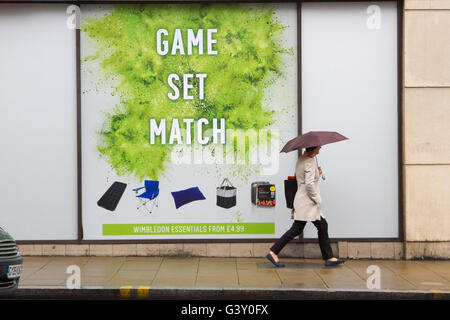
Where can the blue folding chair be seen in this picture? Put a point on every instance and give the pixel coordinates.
(150, 195)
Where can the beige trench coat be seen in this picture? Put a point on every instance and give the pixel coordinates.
(307, 200)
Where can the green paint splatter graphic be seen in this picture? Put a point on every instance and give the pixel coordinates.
(249, 60)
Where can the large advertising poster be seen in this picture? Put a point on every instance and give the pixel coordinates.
(185, 109)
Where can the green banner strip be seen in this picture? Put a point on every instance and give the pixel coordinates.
(188, 229)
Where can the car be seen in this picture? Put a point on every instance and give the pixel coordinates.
(10, 263)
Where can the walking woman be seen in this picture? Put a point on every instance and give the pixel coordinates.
(307, 203)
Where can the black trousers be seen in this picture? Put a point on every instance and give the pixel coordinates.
(297, 228)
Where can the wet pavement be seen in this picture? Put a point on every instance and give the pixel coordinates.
(234, 274)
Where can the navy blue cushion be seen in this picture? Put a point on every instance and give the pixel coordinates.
(183, 197)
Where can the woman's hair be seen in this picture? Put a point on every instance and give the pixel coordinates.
(309, 149)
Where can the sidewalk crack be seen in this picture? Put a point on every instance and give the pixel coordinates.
(279, 278)
(445, 279)
(117, 271)
(398, 274)
(157, 271)
(322, 279)
(237, 273)
(196, 273)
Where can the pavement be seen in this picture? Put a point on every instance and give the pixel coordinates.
(230, 278)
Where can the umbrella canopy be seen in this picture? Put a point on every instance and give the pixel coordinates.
(313, 139)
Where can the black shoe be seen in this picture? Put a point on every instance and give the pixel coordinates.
(276, 264)
(329, 263)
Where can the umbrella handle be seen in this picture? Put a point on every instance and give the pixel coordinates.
(322, 175)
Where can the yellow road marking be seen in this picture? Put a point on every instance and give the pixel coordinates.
(125, 291)
(437, 294)
(142, 291)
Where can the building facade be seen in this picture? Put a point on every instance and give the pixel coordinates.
(376, 71)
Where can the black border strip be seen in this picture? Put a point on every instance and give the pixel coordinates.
(79, 150)
(400, 124)
(180, 241)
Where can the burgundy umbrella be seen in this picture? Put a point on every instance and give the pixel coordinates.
(312, 139)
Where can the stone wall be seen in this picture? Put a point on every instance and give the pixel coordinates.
(426, 118)
(294, 249)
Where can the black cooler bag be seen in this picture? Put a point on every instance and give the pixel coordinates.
(226, 195)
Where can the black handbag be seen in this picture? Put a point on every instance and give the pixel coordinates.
(226, 195)
(290, 189)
